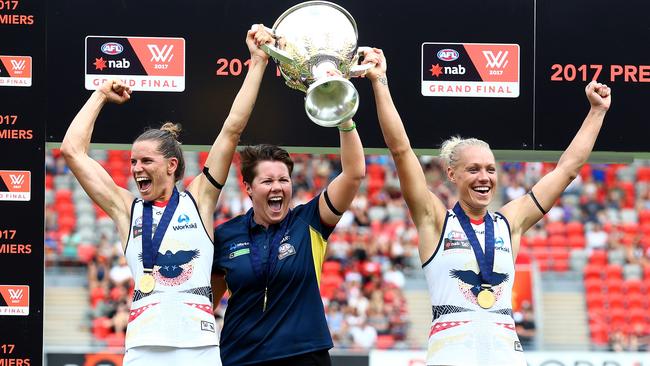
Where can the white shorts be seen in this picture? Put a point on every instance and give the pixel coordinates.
(172, 356)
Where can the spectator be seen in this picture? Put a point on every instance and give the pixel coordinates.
(363, 335)
(525, 326)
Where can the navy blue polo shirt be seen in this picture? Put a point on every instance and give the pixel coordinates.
(294, 320)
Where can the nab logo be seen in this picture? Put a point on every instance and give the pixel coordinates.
(163, 54)
(18, 65)
(498, 61)
(112, 48)
(183, 218)
(447, 54)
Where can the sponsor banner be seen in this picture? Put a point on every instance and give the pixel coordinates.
(470, 70)
(14, 300)
(587, 359)
(15, 71)
(143, 63)
(15, 185)
(397, 358)
(569, 358)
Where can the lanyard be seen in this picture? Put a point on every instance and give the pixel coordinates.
(272, 259)
(150, 246)
(485, 260)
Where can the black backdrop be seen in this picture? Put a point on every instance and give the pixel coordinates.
(562, 45)
(544, 116)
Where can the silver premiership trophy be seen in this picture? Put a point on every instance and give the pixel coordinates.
(313, 38)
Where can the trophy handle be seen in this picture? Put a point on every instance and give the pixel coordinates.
(277, 54)
(359, 70)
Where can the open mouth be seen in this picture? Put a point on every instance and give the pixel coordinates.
(482, 190)
(144, 183)
(275, 203)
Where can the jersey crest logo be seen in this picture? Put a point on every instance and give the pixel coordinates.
(285, 250)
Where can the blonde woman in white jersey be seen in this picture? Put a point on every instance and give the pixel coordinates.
(167, 236)
(470, 289)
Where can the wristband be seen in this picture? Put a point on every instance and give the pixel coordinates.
(347, 129)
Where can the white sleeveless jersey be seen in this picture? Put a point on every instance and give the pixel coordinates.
(463, 333)
(178, 312)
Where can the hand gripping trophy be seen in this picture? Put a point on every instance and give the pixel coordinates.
(314, 40)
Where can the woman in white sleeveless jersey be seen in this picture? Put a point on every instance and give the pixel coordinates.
(166, 235)
(468, 253)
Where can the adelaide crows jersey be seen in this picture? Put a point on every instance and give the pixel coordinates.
(178, 312)
(463, 333)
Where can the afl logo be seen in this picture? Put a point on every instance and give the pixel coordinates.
(447, 54)
(112, 48)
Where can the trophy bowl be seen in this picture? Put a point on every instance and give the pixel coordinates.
(316, 51)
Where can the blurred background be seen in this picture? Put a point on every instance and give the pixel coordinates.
(583, 273)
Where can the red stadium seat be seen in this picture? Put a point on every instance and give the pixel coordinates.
(86, 252)
(63, 195)
(632, 287)
(100, 328)
(595, 301)
(557, 241)
(644, 216)
(538, 242)
(575, 228)
(614, 300)
(599, 335)
(613, 271)
(96, 295)
(614, 285)
(577, 241)
(598, 257)
(592, 271)
(556, 228)
(617, 314)
(594, 285)
(49, 181)
(635, 301)
(643, 174)
(331, 267)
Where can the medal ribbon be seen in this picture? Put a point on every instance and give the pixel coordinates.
(150, 246)
(485, 260)
(272, 259)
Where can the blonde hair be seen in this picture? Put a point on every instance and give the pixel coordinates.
(451, 148)
(173, 128)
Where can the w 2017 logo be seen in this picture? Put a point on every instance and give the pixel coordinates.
(498, 61)
(14, 300)
(18, 65)
(15, 295)
(15, 185)
(17, 179)
(163, 54)
(15, 70)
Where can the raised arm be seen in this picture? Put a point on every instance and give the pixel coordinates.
(94, 179)
(523, 212)
(342, 190)
(223, 148)
(427, 210)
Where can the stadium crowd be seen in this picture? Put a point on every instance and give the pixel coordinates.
(600, 228)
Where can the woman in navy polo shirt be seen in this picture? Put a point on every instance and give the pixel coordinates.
(272, 258)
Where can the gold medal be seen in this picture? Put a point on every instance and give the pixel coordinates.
(486, 298)
(146, 283)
